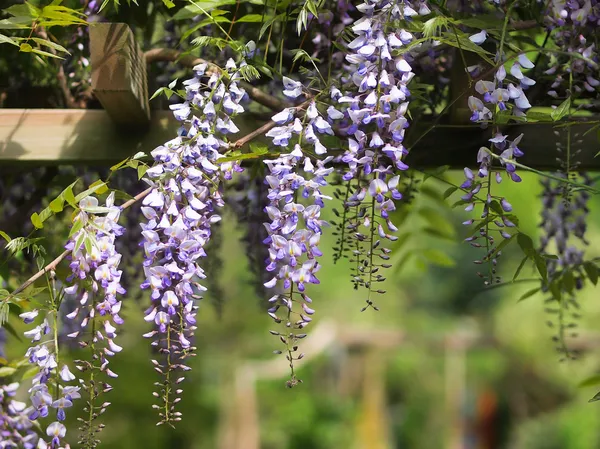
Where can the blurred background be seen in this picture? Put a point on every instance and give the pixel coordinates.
(443, 364)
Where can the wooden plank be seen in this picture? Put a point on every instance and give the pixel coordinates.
(63, 136)
(458, 146)
(86, 136)
(119, 78)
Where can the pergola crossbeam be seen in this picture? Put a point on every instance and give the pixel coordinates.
(76, 136)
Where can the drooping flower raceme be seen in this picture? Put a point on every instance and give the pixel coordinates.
(371, 109)
(504, 95)
(295, 226)
(186, 193)
(96, 282)
(43, 355)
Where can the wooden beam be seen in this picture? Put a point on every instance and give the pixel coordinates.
(119, 78)
(458, 146)
(76, 136)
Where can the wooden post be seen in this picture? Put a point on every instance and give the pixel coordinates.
(455, 386)
(119, 78)
(373, 427)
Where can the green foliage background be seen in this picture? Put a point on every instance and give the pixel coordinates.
(425, 300)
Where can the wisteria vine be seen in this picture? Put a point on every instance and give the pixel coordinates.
(344, 126)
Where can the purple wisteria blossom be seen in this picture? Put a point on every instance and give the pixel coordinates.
(186, 183)
(371, 109)
(16, 428)
(295, 228)
(503, 95)
(42, 354)
(96, 283)
(574, 27)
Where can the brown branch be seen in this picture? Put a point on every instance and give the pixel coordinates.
(52, 265)
(166, 54)
(264, 128)
(524, 24)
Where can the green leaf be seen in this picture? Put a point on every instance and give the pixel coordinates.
(538, 116)
(69, 196)
(15, 23)
(592, 271)
(7, 40)
(433, 27)
(483, 22)
(168, 3)
(31, 371)
(96, 187)
(77, 226)
(6, 371)
(268, 23)
(251, 18)
(162, 90)
(141, 170)
(21, 243)
(465, 44)
(521, 265)
(5, 236)
(590, 381)
(79, 242)
(195, 9)
(56, 205)
(541, 266)
(36, 221)
(49, 44)
(449, 191)
(96, 209)
(529, 294)
(55, 15)
(562, 110)
(595, 398)
(259, 148)
(526, 244)
(495, 206)
(437, 257)
(25, 48)
(24, 10)
(568, 281)
(88, 244)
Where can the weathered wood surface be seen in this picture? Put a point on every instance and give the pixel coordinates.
(62, 136)
(119, 78)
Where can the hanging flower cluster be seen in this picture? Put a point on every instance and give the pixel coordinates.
(371, 111)
(96, 282)
(181, 207)
(563, 224)
(504, 93)
(294, 231)
(49, 379)
(574, 29)
(16, 429)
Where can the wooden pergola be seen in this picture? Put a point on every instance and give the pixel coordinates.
(127, 125)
